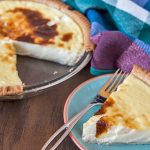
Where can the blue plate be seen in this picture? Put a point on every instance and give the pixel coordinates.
(80, 98)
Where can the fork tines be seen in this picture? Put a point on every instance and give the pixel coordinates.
(116, 80)
(112, 84)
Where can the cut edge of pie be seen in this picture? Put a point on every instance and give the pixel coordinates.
(10, 83)
(80, 19)
(124, 116)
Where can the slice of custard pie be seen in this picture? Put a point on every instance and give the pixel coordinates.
(125, 116)
(46, 29)
(10, 82)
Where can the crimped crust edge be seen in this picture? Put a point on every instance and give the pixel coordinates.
(141, 73)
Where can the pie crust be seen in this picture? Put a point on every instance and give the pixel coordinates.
(11, 90)
(141, 73)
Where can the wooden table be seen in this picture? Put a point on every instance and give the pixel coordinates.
(27, 124)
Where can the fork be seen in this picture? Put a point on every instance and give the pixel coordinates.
(109, 87)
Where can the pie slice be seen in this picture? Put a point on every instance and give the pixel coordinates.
(45, 29)
(125, 116)
(10, 82)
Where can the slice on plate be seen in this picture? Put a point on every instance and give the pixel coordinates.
(10, 82)
(45, 29)
(125, 116)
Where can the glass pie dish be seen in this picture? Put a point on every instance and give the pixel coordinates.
(39, 75)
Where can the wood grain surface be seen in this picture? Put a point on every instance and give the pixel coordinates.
(27, 124)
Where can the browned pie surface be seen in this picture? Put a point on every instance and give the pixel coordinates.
(37, 23)
(29, 26)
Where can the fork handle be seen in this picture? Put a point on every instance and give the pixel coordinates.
(70, 123)
(66, 133)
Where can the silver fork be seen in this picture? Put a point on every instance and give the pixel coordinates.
(109, 87)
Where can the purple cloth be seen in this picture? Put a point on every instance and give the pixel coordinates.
(133, 55)
(109, 47)
(115, 50)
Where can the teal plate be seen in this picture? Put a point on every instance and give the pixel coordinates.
(80, 98)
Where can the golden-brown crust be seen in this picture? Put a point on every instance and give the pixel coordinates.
(11, 90)
(80, 19)
(141, 73)
(85, 26)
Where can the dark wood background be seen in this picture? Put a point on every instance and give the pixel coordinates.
(27, 124)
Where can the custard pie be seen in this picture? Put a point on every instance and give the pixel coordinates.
(47, 30)
(125, 115)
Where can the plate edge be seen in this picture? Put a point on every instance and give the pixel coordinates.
(65, 116)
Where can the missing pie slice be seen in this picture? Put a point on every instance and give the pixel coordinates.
(10, 82)
(125, 116)
(45, 29)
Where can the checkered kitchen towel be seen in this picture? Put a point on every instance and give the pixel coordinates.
(121, 31)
